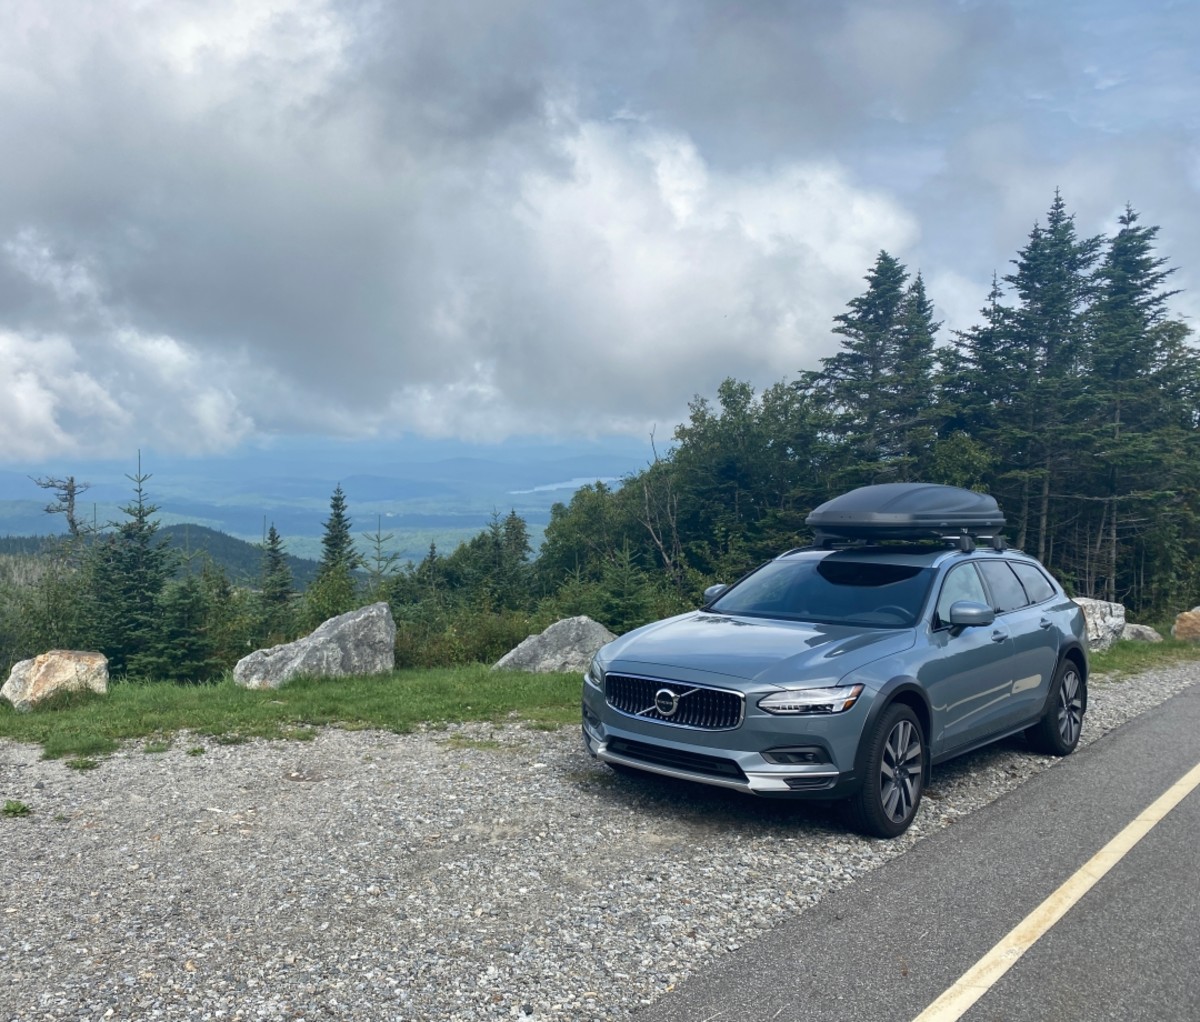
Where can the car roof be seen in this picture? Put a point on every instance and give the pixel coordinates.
(911, 555)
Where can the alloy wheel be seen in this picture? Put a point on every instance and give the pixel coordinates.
(900, 771)
(1070, 707)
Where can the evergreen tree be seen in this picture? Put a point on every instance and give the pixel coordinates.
(380, 562)
(1053, 285)
(334, 591)
(125, 572)
(1142, 435)
(275, 588)
(877, 390)
(491, 570)
(181, 647)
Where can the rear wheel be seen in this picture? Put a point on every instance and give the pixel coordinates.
(1057, 733)
(887, 802)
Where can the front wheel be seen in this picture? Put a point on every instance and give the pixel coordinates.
(1057, 733)
(887, 802)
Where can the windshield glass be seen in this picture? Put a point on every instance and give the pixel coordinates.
(831, 591)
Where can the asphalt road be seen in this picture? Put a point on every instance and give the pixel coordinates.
(885, 948)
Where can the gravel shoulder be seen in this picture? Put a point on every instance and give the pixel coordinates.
(473, 872)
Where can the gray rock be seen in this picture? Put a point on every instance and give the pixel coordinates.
(1140, 633)
(60, 670)
(567, 645)
(1105, 622)
(360, 642)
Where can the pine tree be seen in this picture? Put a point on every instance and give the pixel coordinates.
(1138, 431)
(380, 562)
(181, 648)
(275, 588)
(908, 429)
(125, 573)
(877, 390)
(334, 590)
(1053, 285)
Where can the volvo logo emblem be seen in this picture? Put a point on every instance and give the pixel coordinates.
(666, 702)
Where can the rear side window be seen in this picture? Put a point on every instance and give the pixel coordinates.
(1037, 586)
(1007, 592)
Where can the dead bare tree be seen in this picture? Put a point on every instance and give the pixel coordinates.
(66, 492)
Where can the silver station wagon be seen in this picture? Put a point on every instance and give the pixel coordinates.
(906, 635)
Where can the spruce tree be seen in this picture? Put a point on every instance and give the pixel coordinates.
(125, 572)
(877, 390)
(1053, 285)
(275, 588)
(1142, 440)
(334, 591)
(181, 648)
(380, 563)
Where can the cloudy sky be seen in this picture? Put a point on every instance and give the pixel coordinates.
(225, 220)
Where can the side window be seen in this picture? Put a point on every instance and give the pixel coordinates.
(961, 584)
(1037, 586)
(1007, 593)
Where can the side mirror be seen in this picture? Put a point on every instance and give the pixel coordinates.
(969, 614)
(712, 592)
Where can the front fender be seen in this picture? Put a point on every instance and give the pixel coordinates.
(909, 691)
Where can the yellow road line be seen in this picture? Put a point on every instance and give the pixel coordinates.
(980, 978)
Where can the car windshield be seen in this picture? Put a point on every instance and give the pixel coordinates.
(829, 590)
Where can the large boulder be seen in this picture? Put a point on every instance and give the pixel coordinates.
(60, 670)
(1105, 622)
(567, 645)
(1187, 626)
(1140, 633)
(360, 642)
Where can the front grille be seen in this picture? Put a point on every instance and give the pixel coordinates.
(692, 762)
(673, 702)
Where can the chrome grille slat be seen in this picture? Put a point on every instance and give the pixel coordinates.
(698, 706)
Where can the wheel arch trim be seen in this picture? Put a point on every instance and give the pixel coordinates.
(902, 689)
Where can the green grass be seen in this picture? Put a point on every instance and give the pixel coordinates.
(82, 726)
(1127, 658)
(12, 807)
(82, 763)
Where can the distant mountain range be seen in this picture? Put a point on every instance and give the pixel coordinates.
(412, 490)
(241, 561)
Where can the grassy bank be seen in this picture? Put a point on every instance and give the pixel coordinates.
(83, 726)
(87, 725)
(1127, 658)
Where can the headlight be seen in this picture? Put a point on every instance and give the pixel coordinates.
(812, 701)
(595, 673)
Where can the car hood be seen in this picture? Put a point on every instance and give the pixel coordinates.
(758, 650)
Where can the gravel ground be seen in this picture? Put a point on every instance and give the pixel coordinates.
(474, 872)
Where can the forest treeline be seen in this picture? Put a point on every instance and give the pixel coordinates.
(1074, 400)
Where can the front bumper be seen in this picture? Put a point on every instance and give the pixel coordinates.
(721, 759)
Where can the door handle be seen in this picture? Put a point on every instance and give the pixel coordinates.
(999, 636)
(1045, 623)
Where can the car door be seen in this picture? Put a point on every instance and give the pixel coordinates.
(963, 675)
(1036, 642)
(1033, 641)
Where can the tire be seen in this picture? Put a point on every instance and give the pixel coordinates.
(890, 795)
(1057, 733)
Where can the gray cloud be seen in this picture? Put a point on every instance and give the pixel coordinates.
(491, 219)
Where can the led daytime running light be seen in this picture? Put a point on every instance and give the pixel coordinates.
(812, 701)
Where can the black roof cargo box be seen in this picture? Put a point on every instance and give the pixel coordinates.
(906, 511)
